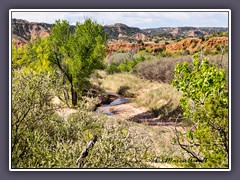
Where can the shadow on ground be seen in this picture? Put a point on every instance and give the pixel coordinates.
(151, 119)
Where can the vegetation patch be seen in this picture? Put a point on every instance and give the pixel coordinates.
(161, 70)
(205, 105)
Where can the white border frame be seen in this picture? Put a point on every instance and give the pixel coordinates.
(119, 10)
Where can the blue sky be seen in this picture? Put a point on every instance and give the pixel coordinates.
(133, 19)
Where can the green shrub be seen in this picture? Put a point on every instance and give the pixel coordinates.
(205, 105)
(186, 52)
(42, 139)
(118, 147)
(126, 66)
(124, 90)
(112, 68)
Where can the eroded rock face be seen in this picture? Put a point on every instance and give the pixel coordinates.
(23, 31)
(192, 44)
(140, 36)
(211, 43)
(126, 46)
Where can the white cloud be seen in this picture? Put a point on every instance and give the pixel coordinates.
(136, 19)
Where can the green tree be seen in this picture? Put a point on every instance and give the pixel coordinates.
(34, 56)
(77, 54)
(205, 105)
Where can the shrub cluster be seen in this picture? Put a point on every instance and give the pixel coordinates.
(126, 66)
(161, 70)
(42, 139)
(118, 57)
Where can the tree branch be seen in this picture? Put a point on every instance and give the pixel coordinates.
(85, 151)
(184, 146)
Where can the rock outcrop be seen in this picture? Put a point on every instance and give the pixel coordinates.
(23, 31)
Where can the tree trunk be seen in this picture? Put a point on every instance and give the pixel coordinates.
(65, 92)
(74, 96)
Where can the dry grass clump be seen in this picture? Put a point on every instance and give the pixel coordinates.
(161, 70)
(161, 101)
(117, 57)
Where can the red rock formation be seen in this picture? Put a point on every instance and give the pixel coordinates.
(126, 46)
(190, 44)
(213, 42)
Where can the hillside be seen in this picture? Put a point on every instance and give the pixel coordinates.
(183, 31)
(23, 31)
(188, 44)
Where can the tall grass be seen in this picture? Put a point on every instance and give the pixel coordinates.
(161, 101)
(157, 97)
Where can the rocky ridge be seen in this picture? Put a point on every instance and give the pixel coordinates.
(23, 31)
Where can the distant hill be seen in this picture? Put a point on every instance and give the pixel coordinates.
(183, 31)
(117, 30)
(23, 31)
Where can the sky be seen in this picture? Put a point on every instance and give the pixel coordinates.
(133, 19)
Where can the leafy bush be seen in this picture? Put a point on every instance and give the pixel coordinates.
(205, 105)
(119, 147)
(77, 54)
(166, 43)
(112, 68)
(31, 116)
(126, 66)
